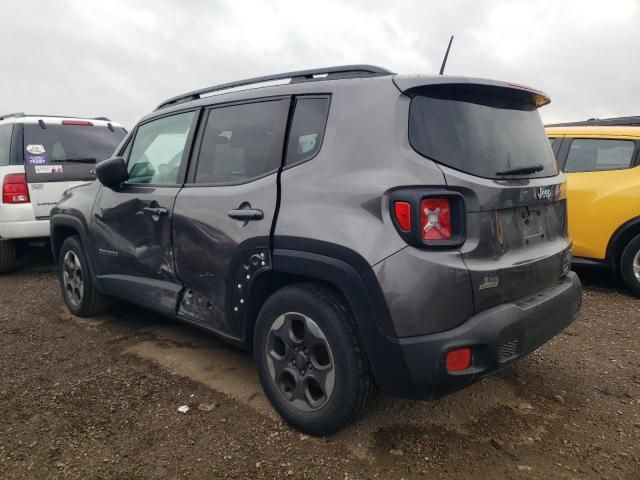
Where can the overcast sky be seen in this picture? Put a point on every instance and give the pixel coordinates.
(120, 58)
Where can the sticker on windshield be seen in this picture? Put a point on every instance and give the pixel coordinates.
(48, 169)
(35, 149)
(37, 160)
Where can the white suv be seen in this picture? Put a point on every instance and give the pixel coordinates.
(40, 157)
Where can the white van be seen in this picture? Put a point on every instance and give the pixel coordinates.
(40, 157)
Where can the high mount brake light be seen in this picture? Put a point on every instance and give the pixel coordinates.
(15, 189)
(435, 219)
(78, 123)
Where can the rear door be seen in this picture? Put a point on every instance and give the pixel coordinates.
(602, 182)
(223, 216)
(59, 154)
(490, 144)
(131, 224)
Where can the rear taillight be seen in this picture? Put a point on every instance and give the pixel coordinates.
(427, 217)
(402, 212)
(435, 219)
(14, 188)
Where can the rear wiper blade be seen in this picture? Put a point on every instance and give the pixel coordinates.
(78, 159)
(522, 170)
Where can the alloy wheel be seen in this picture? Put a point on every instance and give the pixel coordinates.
(300, 361)
(72, 277)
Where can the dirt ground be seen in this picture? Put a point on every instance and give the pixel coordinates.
(99, 398)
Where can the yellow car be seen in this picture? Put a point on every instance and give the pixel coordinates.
(601, 159)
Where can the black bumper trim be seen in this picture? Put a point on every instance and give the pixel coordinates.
(415, 366)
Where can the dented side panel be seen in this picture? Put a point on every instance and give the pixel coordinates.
(130, 238)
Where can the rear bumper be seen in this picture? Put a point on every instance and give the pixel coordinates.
(415, 366)
(18, 221)
(24, 229)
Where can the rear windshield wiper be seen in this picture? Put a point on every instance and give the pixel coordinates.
(78, 159)
(522, 170)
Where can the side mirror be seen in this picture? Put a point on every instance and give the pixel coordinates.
(112, 172)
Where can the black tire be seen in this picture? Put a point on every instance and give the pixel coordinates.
(352, 387)
(7, 255)
(89, 301)
(630, 254)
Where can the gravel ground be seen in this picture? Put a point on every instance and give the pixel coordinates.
(99, 398)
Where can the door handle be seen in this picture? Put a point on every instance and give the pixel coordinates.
(155, 210)
(246, 214)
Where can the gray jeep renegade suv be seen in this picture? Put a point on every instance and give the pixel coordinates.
(354, 228)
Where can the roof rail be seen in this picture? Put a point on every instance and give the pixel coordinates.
(328, 73)
(105, 119)
(16, 114)
(601, 122)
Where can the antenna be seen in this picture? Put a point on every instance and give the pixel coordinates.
(446, 55)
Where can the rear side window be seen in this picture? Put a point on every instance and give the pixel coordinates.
(480, 134)
(590, 155)
(5, 144)
(241, 142)
(307, 128)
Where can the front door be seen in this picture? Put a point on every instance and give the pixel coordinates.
(131, 224)
(223, 215)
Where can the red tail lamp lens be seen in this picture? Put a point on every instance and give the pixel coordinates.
(459, 359)
(14, 189)
(402, 211)
(78, 123)
(435, 219)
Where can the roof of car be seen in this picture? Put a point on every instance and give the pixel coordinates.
(53, 119)
(320, 80)
(602, 122)
(600, 131)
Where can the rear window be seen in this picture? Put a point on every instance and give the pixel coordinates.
(5, 144)
(483, 135)
(67, 152)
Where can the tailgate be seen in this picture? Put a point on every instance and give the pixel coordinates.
(515, 252)
(45, 195)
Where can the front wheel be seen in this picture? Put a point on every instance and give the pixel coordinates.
(310, 361)
(78, 289)
(630, 265)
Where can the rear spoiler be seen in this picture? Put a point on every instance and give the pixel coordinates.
(411, 84)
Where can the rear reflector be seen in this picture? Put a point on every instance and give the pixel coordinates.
(81, 123)
(435, 219)
(402, 211)
(458, 359)
(14, 189)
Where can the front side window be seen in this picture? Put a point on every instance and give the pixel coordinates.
(157, 150)
(5, 144)
(240, 143)
(307, 129)
(590, 155)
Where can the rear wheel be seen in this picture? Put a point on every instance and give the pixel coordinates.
(78, 289)
(630, 265)
(310, 361)
(7, 255)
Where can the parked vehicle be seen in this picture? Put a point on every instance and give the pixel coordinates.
(354, 228)
(600, 159)
(40, 157)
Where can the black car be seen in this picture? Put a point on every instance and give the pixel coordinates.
(354, 228)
